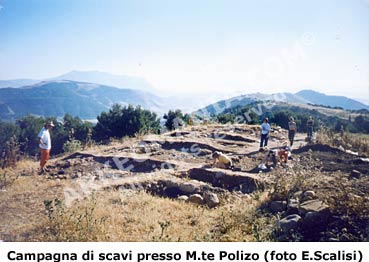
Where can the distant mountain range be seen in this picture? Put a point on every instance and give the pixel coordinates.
(333, 101)
(55, 98)
(97, 77)
(303, 97)
(87, 93)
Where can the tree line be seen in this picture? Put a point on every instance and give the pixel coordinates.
(72, 133)
(280, 114)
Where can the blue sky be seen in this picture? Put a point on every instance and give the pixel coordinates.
(225, 47)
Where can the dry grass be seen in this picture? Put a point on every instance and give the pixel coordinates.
(21, 204)
(355, 142)
(138, 216)
(32, 209)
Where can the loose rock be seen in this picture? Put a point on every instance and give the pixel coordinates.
(289, 222)
(196, 199)
(188, 188)
(315, 220)
(211, 199)
(307, 195)
(314, 206)
(182, 198)
(278, 206)
(355, 174)
(293, 206)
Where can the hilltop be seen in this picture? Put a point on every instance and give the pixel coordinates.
(96, 77)
(163, 188)
(56, 98)
(318, 101)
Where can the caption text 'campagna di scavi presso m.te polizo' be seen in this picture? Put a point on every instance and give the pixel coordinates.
(240, 255)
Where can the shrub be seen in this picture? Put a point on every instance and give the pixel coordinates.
(72, 146)
(11, 153)
(175, 119)
(125, 121)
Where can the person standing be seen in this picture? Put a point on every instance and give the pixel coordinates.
(309, 128)
(265, 129)
(292, 128)
(45, 144)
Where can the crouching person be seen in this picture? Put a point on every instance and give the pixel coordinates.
(283, 155)
(221, 160)
(274, 157)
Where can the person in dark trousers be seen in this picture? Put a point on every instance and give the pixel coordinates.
(265, 129)
(309, 128)
(292, 128)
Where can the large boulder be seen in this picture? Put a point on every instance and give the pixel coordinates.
(316, 214)
(171, 183)
(314, 220)
(313, 206)
(189, 188)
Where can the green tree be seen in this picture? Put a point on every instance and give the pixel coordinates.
(29, 127)
(225, 118)
(79, 127)
(362, 124)
(281, 118)
(125, 121)
(174, 119)
(7, 131)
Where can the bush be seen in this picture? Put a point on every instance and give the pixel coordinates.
(26, 129)
(29, 127)
(225, 118)
(11, 153)
(72, 146)
(175, 119)
(125, 121)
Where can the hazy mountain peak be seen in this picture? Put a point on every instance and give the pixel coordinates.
(302, 97)
(318, 98)
(92, 76)
(55, 98)
(103, 78)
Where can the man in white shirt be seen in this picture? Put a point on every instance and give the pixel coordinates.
(45, 144)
